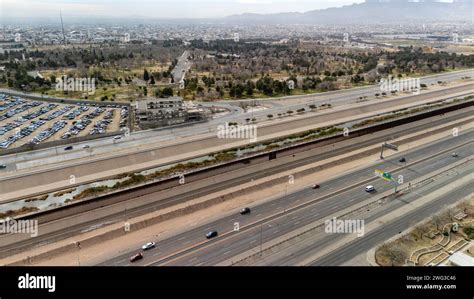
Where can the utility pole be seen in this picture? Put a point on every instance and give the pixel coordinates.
(62, 27)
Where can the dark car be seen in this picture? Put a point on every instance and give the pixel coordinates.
(211, 234)
(3, 166)
(402, 160)
(68, 148)
(245, 211)
(316, 186)
(136, 257)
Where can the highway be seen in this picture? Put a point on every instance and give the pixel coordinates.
(56, 176)
(293, 211)
(183, 65)
(386, 231)
(349, 95)
(253, 173)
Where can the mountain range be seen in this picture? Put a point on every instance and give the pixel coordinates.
(368, 13)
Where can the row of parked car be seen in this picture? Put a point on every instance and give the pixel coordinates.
(15, 105)
(58, 112)
(58, 125)
(37, 113)
(7, 104)
(123, 117)
(22, 119)
(22, 133)
(33, 125)
(100, 127)
(81, 124)
(76, 112)
(20, 109)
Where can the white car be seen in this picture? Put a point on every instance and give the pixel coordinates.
(149, 245)
(117, 137)
(370, 188)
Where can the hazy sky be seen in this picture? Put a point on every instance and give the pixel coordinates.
(159, 8)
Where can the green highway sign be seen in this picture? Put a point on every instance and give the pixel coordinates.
(384, 175)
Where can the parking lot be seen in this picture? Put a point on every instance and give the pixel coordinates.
(24, 121)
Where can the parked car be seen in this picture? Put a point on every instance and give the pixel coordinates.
(136, 257)
(245, 211)
(149, 245)
(211, 234)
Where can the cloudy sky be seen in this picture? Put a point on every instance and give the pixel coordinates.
(159, 8)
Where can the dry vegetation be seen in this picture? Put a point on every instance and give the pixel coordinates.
(427, 234)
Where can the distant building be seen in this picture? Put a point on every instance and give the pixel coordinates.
(162, 112)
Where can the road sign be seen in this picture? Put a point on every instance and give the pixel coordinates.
(384, 175)
(391, 146)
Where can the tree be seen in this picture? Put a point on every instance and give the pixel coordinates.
(167, 92)
(146, 76)
(152, 80)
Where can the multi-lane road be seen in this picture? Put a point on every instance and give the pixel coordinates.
(120, 211)
(91, 167)
(291, 212)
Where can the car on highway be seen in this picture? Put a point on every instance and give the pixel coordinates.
(3, 166)
(211, 234)
(149, 245)
(245, 211)
(68, 148)
(86, 146)
(455, 155)
(136, 257)
(370, 188)
(316, 186)
(402, 160)
(117, 137)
